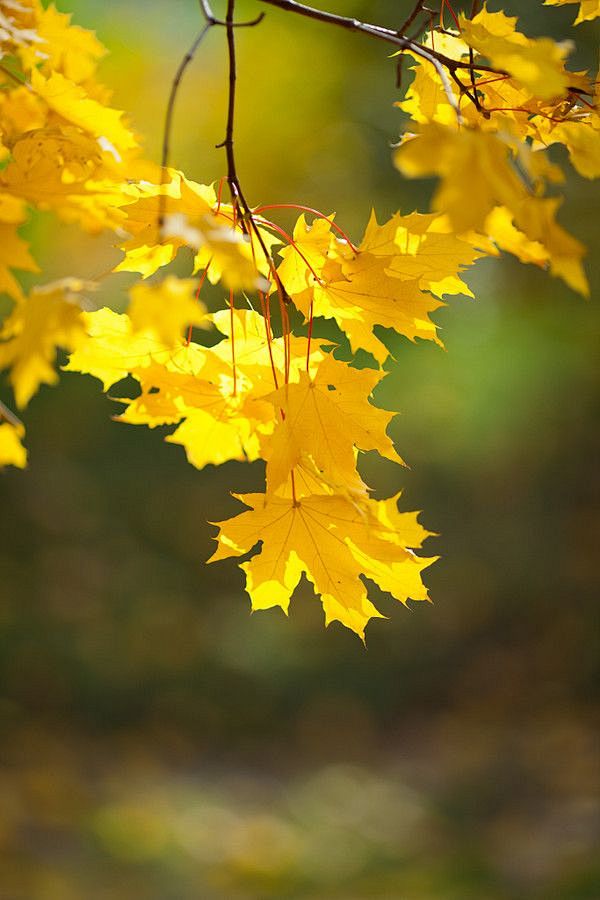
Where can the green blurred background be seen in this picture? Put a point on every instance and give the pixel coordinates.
(159, 742)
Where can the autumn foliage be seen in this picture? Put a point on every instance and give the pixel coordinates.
(483, 105)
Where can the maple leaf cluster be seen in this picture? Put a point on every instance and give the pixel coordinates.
(254, 390)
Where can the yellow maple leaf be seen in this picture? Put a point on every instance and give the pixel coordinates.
(50, 317)
(538, 64)
(14, 251)
(148, 248)
(18, 25)
(194, 385)
(360, 294)
(426, 100)
(61, 47)
(20, 111)
(258, 359)
(582, 140)
(162, 218)
(73, 104)
(12, 451)
(422, 247)
(13, 210)
(217, 436)
(500, 226)
(223, 419)
(231, 255)
(170, 390)
(537, 219)
(111, 349)
(475, 169)
(588, 9)
(332, 540)
(478, 165)
(48, 165)
(67, 171)
(166, 308)
(326, 417)
(305, 259)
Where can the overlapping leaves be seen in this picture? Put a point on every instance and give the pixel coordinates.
(254, 390)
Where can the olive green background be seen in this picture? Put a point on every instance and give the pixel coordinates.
(158, 741)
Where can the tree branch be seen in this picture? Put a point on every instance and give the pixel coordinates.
(9, 416)
(208, 14)
(238, 199)
(210, 21)
(438, 60)
(418, 8)
(173, 93)
(378, 31)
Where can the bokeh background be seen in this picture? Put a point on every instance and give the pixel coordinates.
(159, 742)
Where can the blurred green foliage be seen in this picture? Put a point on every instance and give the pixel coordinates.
(160, 743)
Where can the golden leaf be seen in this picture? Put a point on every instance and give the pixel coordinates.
(48, 318)
(62, 47)
(12, 451)
(588, 9)
(538, 64)
(166, 308)
(332, 540)
(326, 418)
(71, 101)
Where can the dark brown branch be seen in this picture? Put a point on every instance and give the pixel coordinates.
(474, 9)
(472, 95)
(418, 9)
(443, 64)
(227, 143)
(240, 204)
(385, 34)
(210, 21)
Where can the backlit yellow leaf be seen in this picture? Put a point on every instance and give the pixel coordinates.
(332, 540)
(166, 308)
(14, 254)
(422, 247)
(588, 9)
(62, 47)
(538, 64)
(70, 101)
(306, 258)
(12, 451)
(477, 175)
(48, 318)
(326, 418)
(111, 349)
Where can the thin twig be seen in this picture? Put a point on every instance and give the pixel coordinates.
(207, 12)
(465, 90)
(438, 60)
(378, 31)
(9, 416)
(20, 81)
(166, 141)
(173, 93)
(417, 10)
(474, 9)
(420, 51)
(238, 199)
(210, 22)
(408, 22)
